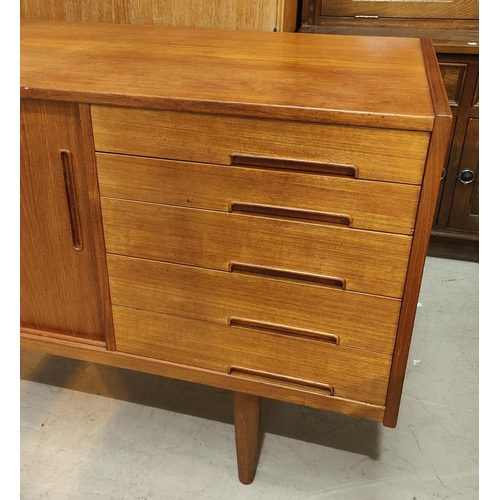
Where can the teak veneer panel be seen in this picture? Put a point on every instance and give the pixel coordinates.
(225, 14)
(291, 76)
(178, 339)
(377, 153)
(368, 261)
(433, 170)
(64, 287)
(359, 320)
(380, 206)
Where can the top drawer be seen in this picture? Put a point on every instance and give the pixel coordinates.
(375, 154)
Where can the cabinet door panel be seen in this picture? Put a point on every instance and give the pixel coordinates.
(475, 99)
(418, 9)
(453, 79)
(465, 206)
(457, 218)
(63, 275)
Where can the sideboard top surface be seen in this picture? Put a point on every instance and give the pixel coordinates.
(356, 80)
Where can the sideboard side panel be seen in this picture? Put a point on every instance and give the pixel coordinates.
(438, 148)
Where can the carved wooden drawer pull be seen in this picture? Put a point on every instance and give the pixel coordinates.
(269, 162)
(284, 329)
(237, 267)
(290, 213)
(241, 370)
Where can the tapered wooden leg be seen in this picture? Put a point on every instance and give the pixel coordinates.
(246, 427)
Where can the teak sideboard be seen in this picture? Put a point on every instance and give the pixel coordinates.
(244, 210)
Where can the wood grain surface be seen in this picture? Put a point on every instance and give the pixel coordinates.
(377, 154)
(294, 76)
(380, 206)
(368, 261)
(430, 187)
(218, 347)
(225, 14)
(358, 320)
(64, 286)
(264, 388)
(246, 428)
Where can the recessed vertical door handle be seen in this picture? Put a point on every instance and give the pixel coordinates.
(66, 161)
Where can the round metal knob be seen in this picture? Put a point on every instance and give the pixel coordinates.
(467, 176)
(443, 173)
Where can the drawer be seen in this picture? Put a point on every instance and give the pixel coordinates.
(321, 366)
(381, 206)
(346, 318)
(363, 261)
(376, 154)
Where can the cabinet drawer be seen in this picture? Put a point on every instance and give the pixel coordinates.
(347, 318)
(377, 154)
(364, 261)
(381, 206)
(347, 373)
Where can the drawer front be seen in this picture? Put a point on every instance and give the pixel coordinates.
(327, 368)
(379, 206)
(345, 318)
(377, 154)
(364, 261)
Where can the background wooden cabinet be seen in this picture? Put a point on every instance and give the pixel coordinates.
(454, 28)
(456, 223)
(408, 9)
(64, 287)
(264, 15)
(464, 213)
(451, 23)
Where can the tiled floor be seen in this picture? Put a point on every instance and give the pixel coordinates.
(95, 432)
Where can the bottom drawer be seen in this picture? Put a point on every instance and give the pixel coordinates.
(252, 353)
